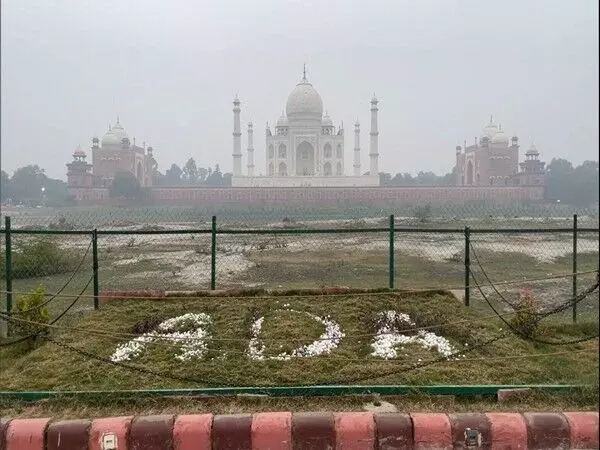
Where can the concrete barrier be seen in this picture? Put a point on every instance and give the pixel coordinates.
(315, 431)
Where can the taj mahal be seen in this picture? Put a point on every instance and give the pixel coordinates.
(305, 163)
(305, 149)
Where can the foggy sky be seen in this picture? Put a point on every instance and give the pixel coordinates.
(170, 70)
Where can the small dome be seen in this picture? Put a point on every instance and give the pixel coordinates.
(532, 150)
(490, 130)
(304, 100)
(95, 140)
(78, 152)
(119, 131)
(110, 138)
(327, 122)
(500, 137)
(281, 122)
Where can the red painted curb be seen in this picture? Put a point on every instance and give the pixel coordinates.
(286, 431)
(193, 432)
(151, 433)
(547, 431)
(394, 431)
(272, 431)
(584, 429)
(313, 431)
(71, 434)
(232, 432)
(3, 428)
(432, 431)
(508, 430)
(26, 434)
(477, 423)
(354, 431)
(111, 429)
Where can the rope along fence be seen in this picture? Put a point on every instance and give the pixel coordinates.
(377, 254)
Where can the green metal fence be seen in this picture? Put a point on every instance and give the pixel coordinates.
(390, 253)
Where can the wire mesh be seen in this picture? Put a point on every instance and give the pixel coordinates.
(155, 262)
(429, 260)
(588, 244)
(542, 260)
(58, 264)
(302, 260)
(476, 215)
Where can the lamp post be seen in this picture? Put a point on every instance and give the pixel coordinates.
(43, 196)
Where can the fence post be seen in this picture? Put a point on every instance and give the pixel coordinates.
(95, 268)
(7, 273)
(391, 268)
(574, 267)
(467, 266)
(213, 255)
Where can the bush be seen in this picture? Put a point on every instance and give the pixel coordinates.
(29, 308)
(423, 214)
(526, 318)
(38, 258)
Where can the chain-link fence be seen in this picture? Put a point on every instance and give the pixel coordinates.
(475, 215)
(404, 253)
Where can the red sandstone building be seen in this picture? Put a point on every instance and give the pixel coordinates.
(493, 161)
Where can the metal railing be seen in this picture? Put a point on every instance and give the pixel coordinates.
(393, 242)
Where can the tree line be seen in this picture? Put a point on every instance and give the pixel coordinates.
(191, 175)
(30, 186)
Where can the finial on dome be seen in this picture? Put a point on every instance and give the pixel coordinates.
(374, 99)
(491, 118)
(117, 119)
(304, 73)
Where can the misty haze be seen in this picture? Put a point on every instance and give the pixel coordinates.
(373, 182)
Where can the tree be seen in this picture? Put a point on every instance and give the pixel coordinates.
(190, 171)
(385, 179)
(5, 186)
(215, 177)
(27, 183)
(173, 175)
(572, 185)
(585, 183)
(125, 185)
(202, 174)
(559, 175)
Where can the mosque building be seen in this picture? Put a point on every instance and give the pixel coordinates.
(494, 161)
(305, 149)
(111, 155)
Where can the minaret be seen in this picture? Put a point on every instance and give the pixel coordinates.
(373, 150)
(357, 149)
(237, 139)
(250, 150)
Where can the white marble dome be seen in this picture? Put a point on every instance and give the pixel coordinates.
(304, 101)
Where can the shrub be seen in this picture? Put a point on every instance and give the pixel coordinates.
(423, 213)
(38, 258)
(29, 308)
(62, 224)
(526, 318)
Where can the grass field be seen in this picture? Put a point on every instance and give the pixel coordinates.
(289, 324)
(286, 325)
